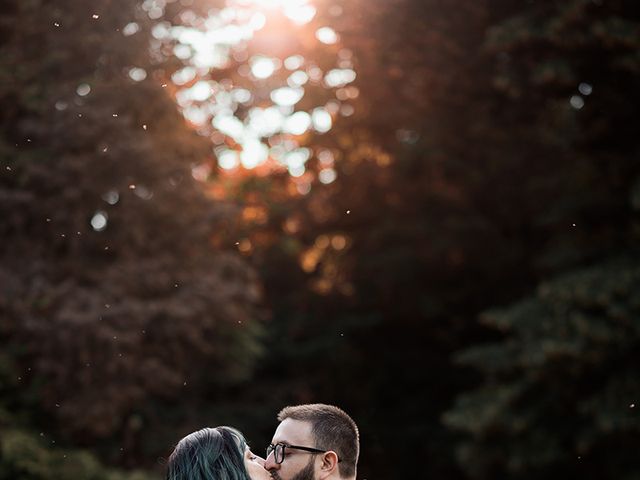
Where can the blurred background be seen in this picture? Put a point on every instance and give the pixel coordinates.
(426, 212)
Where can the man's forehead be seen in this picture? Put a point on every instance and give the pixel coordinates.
(293, 432)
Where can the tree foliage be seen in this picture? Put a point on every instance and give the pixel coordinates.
(484, 149)
(560, 391)
(27, 457)
(489, 150)
(115, 304)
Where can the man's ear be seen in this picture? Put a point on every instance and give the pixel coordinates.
(329, 464)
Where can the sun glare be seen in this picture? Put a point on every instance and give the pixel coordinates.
(254, 115)
(299, 12)
(263, 67)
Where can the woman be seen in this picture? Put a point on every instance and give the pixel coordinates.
(219, 453)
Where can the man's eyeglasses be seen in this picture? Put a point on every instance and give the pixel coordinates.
(278, 450)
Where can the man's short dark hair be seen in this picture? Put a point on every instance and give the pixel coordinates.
(332, 429)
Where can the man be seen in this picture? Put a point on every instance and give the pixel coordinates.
(314, 442)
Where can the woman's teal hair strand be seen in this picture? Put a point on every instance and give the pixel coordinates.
(209, 454)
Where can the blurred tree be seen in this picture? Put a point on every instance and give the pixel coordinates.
(561, 389)
(382, 270)
(25, 456)
(117, 313)
(490, 148)
(483, 148)
(558, 387)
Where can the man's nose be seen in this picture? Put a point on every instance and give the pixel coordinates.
(269, 463)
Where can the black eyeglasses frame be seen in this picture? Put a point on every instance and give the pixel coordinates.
(274, 448)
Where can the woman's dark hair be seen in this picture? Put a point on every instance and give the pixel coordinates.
(209, 454)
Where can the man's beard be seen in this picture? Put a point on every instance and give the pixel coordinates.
(305, 474)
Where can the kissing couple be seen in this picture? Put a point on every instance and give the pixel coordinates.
(312, 442)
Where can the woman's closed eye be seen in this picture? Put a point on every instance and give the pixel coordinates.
(252, 457)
